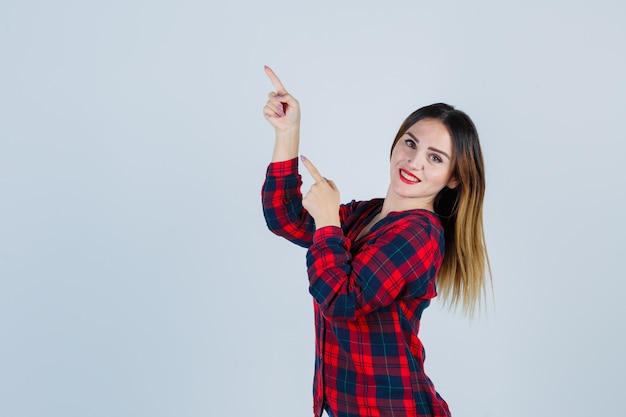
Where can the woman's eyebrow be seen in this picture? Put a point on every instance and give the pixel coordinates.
(430, 147)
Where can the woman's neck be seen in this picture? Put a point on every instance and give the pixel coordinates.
(394, 203)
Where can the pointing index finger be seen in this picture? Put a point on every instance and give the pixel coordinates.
(312, 170)
(280, 89)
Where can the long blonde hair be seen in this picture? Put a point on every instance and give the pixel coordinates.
(462, 278)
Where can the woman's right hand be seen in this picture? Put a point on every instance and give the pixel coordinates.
(281, 109)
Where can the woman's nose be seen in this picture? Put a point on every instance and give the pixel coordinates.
(416, 162)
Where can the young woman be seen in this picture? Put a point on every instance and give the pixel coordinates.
(372, 265)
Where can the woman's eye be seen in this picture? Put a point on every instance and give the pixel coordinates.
(410, 143)
(436, 158)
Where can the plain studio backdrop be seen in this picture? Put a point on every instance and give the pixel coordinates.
(137, 277)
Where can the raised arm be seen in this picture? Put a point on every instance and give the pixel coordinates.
(282, 110)
(281, 196)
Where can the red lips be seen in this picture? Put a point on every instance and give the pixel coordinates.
(408, 178)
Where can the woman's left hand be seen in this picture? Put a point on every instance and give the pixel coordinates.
(322, 201)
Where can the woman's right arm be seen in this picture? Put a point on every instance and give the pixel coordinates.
(283, 112)
(281, 195)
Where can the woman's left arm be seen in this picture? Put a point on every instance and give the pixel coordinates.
(402, 262)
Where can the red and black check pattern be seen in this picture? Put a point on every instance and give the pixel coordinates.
(369, 296)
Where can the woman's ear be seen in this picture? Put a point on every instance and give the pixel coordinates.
(454, 181)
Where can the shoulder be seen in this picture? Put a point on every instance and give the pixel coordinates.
(417, 226)
(416, 218)
(411, 241)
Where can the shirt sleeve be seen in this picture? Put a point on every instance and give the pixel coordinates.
(402, 262)
(282, 203)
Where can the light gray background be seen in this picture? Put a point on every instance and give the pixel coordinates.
(137, 277)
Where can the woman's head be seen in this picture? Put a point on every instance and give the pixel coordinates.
(421, 165)
(459, 206)
(467, 160)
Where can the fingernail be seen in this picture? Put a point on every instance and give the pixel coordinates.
(303, 158)
(278, 97)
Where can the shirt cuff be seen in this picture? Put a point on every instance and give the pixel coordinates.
(283, 168)
(327, 232)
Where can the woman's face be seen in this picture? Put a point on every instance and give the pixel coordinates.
(421, 165)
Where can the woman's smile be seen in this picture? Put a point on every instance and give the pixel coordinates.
(408, 178)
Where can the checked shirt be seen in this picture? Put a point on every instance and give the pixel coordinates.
(369, 295)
